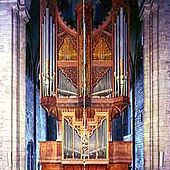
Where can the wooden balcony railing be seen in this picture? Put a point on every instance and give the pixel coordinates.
(50, 151)
(120, 152)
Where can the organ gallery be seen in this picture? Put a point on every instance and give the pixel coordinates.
(85, 85)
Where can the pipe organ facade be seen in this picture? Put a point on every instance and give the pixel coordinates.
(84, 83)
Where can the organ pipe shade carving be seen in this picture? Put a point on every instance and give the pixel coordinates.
(65, 87)
(121, 55)
(96, 142)
(101, 51)
(67, 51)
(48, 55)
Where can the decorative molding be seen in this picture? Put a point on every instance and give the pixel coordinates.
(98, 73)
(71, 74)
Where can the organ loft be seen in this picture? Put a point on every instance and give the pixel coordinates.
(84, 84)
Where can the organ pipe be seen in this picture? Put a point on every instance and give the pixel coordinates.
(118, 50)
(48, 54)
(44, 58)
(53, 71)
(120, 55)
(43, 63)
(51, 55)
(121, 52)
(126, 52)
(115, 61)
(95, 146)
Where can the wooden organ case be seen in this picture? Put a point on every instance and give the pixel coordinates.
(84, 83)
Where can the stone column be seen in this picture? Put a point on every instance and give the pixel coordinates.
(5, 85)
(156, 120)
(14, 82)
(23, 19)
(18, 131)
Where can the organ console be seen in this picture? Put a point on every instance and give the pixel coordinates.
(84, 83)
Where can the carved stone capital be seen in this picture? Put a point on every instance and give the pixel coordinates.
(23, 12)
(147, 9)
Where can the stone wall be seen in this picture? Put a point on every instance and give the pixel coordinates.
(5, 85)
(13, 18)
(139, 112)
(156, 28)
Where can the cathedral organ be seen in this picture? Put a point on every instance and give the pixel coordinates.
(84, 83)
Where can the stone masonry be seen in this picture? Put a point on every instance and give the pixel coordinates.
(13, 19)
(156, 27)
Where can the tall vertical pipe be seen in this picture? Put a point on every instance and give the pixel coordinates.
(42, 61)
(124, 51)
(118, 54)
(126, 54)
(54, 58)
(121, 50)
(115, 60)
(44, 57)
(51, 54)
(47, 52)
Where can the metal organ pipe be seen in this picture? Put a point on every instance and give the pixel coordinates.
(48, 54)
(121, 52)
(53, 70)
(42, 62)
(44, 57)
(115, 61)
(51, 54)
(126, 54)
(124, 51)
(118, 54)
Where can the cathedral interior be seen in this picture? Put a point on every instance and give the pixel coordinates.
(85, 84)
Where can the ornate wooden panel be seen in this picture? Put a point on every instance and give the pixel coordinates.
(67, 51)
(71, 74)
(101, 51)
(68, 167)
(120, 152)
(52, 166)
(77, 167)
(98, 73)
(50, 150)
(118, 167)
(92, 167)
